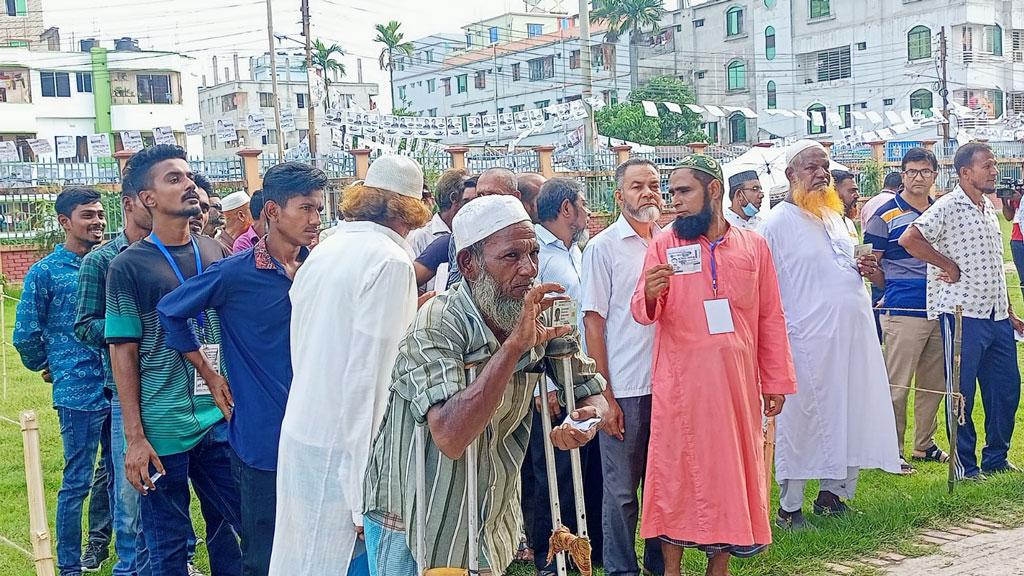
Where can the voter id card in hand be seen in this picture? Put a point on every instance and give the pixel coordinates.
(862, 250)
(563, 313)
(684, 259)
(582, 425)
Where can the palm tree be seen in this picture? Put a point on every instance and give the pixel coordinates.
(393, 41)
(634, 17)
(323, 61)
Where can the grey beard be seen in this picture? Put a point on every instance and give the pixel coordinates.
(496, 307)
(581, 237)
(647, 214)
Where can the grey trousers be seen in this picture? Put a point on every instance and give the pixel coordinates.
(791, 498)
(623, 465)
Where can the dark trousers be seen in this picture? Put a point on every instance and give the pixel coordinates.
(988, 360)
(1017, 250)
(590, 460)
(258, 489)
(165, 511)
(624, 463)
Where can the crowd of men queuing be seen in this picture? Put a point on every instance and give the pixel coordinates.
(228, 346)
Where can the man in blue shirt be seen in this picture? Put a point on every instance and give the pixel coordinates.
(913, 343)
(44, 337)
(249, 291)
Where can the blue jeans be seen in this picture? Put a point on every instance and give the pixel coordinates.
(988, 360)
(101, 495)
(80, 432)
(1017, 251)
(258, 489)
(129, 542)
(165, 511)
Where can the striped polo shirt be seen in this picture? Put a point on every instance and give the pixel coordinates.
(905, 276)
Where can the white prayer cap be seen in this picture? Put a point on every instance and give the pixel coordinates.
(234, 200)
(485, 216)
(395, 173)
(799, 146)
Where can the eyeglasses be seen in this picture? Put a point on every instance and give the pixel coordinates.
(754, 190)
(913, 174)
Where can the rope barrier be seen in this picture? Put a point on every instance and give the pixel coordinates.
(10, 421)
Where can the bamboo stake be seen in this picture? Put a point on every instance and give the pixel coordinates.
(769, 458)
(953, 400)
(39, 530)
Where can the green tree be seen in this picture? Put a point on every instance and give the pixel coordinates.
(627, 120)
(633, 17)
(323, 61)
(394, 42)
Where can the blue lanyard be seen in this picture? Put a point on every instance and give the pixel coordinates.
(714, 265)
(177, 271)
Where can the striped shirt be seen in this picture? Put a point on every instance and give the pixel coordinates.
(905, 276)
(449, 334)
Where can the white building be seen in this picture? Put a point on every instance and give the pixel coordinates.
(530, 61)
(235, 100)
(49, 94)
(843, 59)
(21, 23)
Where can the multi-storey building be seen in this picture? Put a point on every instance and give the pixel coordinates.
(21, 23)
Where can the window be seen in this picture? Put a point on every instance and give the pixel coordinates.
(845, 116)
(542, 68)
(401, 63)
(737, 71)
(83, 81)
(701, 74)
(1018, 45)
(270, 137)
(17, 7)
(515, 72)
(734, 21)
(492, 34)
(699, 23)
(919, 43)
(154, 88)
(574, 59)
(820, 8)
(769, 3)
(432, 112)
(604, 57)
(431, 86)
(469, 40)
(921, 103)
(769, 42)
(266, 100)
(994, 40)
(1015, 101)
(813, 125)
(833, 64)
(888, 102)
(480, 80)
(534, 30)
(737, 128)
(862, 46)
(228, 102)
(55, 84)
(711, 129)
(542, 103)
(991, 101)
(429, 56)
(609, 97)
(773, 95)
(447, 83)
(461, 83)
(300, 100)
(517, 108)
(401, 92)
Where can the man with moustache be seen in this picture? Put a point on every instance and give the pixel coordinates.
(45, 340)
(175, 434)
(250, 294)
(720, 349)
(491, 182)
(238, 219)
(621, 348)
(496, 321)
(846, 187)
(216, 216)
(745, 197)
(198, 222)
(841, 419)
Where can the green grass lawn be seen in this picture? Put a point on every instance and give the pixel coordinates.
(891, 508)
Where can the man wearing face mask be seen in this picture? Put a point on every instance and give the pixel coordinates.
(745, 195)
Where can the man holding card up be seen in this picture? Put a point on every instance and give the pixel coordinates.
(720, 349)
(841, 419)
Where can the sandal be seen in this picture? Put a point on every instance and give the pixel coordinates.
(905, 468)
(933, 454)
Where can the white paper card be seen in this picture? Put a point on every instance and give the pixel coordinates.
(99, 146)
(212, 353)
(164, 135)
(131, 140)
(719, 316)
(9, 152)
(226, 131)
(41, 146)
(861, 250)
(650, 108)
(684, 259)
(194, 129)
(563, 313)
(287, 120)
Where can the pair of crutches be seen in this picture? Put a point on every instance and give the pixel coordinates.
(472, 507)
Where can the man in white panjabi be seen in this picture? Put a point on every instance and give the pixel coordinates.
(352, 302)
(841, 419)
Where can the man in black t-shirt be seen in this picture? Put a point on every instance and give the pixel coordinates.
(173, 430)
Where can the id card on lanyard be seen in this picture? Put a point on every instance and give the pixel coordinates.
(211, 351)
(717, 311)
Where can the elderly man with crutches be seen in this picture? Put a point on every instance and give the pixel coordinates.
(465, 376)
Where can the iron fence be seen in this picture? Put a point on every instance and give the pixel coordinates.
(33, 174)
(220, 170)
(518, 162)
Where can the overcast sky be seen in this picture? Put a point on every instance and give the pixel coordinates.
(203, 28)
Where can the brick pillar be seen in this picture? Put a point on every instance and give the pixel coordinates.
(458, 154)
(828, 146)
(929, 145)
(362, 156)
(251, 169)
(122, 157)
(621, 152)
(878, 150)
(544, 160)
(697, 147)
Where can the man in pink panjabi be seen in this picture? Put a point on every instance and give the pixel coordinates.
(720, 349)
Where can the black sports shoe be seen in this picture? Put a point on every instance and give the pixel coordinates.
(94, 556)
(793, 521)
(828, 504)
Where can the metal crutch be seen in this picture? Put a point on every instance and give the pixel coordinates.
(574, 454)
(549, 462)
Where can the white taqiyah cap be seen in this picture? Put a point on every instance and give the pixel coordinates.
(484, 216)
(799, 146)
(234, 200)
(395, 173)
